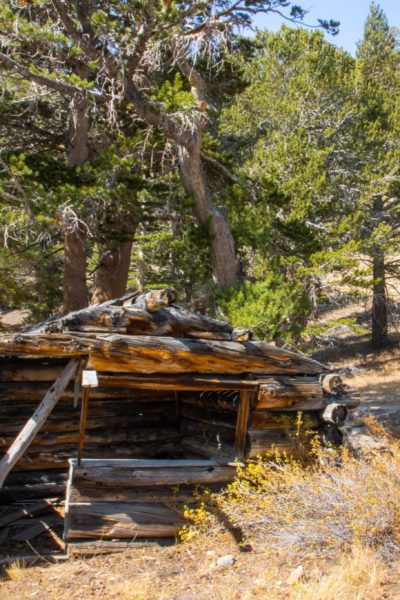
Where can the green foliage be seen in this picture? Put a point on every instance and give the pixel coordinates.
(273, 308)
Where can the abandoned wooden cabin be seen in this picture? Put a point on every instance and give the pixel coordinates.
(142, 401)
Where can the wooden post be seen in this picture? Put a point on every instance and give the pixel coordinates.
(82, 426)
(89, 380)
(35, 423)
(241, 424)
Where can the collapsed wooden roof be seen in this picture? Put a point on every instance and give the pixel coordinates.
(149, 333)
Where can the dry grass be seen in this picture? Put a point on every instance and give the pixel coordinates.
(16, 571)
(324, 533)
(360, 575)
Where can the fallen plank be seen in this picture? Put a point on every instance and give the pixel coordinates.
(29, 533)
(25, 512)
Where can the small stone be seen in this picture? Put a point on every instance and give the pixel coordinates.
(226, 561)
(295, 575)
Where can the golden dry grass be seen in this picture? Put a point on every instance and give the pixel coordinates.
(321, 533)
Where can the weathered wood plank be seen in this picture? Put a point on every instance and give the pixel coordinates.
(169, 495)
(35, 509)
(303, 393)
(87, 548)
(144, 354)
(108, 520)
(136, 477)
(242, 423)
(178, 382)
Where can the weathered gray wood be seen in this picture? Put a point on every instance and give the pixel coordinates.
(32, 427)
(87, 548)
(332, 383)
(334, 413)
(30, 532)
(169, 495)
(121, 475)
(177, 382)
(273, 420)
(144, 354)
(86, 522)
(242, 424)
(35, 509)
(303, 393)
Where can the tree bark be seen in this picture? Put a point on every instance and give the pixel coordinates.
(379, 293)
(379, 303)
(75, 290)
(222, 246)
(113, 270)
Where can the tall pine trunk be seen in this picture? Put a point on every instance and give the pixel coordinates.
(75, 290)
(222, 246)
(379, 303)
(112, 273)
(379, 293)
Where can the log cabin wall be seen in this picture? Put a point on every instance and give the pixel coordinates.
(208, 423)
(122, 423)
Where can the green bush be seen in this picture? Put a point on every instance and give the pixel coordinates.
(273, 308)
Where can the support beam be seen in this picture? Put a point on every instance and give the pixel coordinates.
(35, 423)
(82, 426)
(241, 424)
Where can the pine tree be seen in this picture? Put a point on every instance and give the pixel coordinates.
(113, 59)
(377, 143)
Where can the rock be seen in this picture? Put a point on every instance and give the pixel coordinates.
(226, 561)
(295, 575)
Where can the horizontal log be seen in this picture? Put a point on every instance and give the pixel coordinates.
(225, 402)
(66, 425)
(220, 452)
(20, 370)
(224, 419)
(171, 355)
(272, 420)
(34, 391)
(146, 354)
(266, 437)
(214, 434)
(178, 382)
(133, 477)
(109, 437)
(256, 451)
(56, 458)
(169, 495)
(96, 547)
(304, 393)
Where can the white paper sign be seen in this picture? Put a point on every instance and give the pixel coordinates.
(89, 379)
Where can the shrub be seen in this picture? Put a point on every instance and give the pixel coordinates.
(273, 308)
(325, 507)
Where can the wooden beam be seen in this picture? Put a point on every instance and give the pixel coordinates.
(82, 426)
(241, 424)
(176, 382)
(35, 423)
